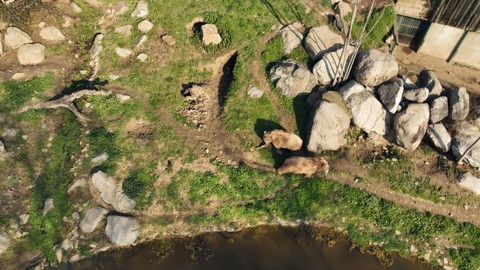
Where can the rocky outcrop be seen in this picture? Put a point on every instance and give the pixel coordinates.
(141, 9)
(122, 231)
(330, 67)
(15, 38)
(31, 54)
(373, 67)
(390, 94)
(210, 35)
(292, 36)
(321, 40)
(51, 33)
(291, 79)
(458, 103)
(368, 113)
(328, 126)
(465, 134)
(440, 137)
(470, 182)
(438, 109)
(411, 124)
(417, 95)
(427, 78)
(111, 193)
(92, 218)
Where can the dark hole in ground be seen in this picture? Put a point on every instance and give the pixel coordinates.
(197, 29)
(226, 80)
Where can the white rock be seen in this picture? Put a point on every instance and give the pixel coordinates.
(18, 76)
(142, 57)
(418, 95)
(464, 135)
(59, 254)
(48, 206)
(92, 218)
(100, 158)
(438, 109)
(31, 54)
(51, 33)
(140, 41)
(321, 40)
(122, 231)
(24, 219)
(411, 125)
(113, 77)
(459, 103)
(292, 36)
(105, 185)
(15, 38)
(373, 67)
(141, 9)
(327, 67)
(254, 92)
(470, 182)
(291, 79)
(210, 34)
(145, 26)
(123, 97)
(122, 52)
(124, 30)
(440, 137)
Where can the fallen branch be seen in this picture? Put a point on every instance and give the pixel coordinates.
(67, 102)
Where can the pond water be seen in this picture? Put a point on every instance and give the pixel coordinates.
(265, 247)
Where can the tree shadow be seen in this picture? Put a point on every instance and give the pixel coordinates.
(78, 85)
(263, 125)
(280, 18)
(301, 115)
(226, 80)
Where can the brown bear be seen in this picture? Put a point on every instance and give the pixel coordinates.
(307, 166)
(281, 139)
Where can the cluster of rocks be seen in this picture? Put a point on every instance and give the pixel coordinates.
(29, 52)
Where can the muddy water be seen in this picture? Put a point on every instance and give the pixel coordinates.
(259, 248)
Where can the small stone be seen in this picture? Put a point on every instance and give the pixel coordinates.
(210, 34)
(83, 72)
(24, 219)
(123, 97)
(48, 206)
(41, 25)
(113, 77)
(75, 8)
(67, 22)
(75, 216)
(51, 33)
(254, 92)
(142, 57)
(9, 133)
(140, 41)
(145, 26)
(25, 137)
(100, 158)
(122, 52)
(18, 76)
(124, 30)
(169, 40)
(141, 9)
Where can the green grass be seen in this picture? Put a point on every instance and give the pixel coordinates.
(15, 94)
(378, 33)
(139, 185)
(100, 140)
(46, 232)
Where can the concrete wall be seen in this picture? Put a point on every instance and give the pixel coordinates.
(440, 40)
(412, 8)
(468, 52)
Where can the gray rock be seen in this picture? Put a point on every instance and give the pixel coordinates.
(9, 133)
(428, 79)
(254, 92)
(67, 244)
(140, 41)
(368, 113)
(15, 38)
(408, 84)
(145, 26)
(4, 243)
(458, 103)
(122, 202)
(321, 40)
(373, 67)
(418, 95)
(24, 219)
(390, 94)
(31, 54)
(106, 186)
(99, 159)
(141, 9)
(122, 231)
(92, 218)
(468, 181)
(440, 137)
(438, 109)
(291, 79)
(327, 68)
(142, 57)
(411, 124)
(123, 52)
(292, 36)
(169, 40)
(2, 147)
(210, 34)
(48, 206)
(124, 30)
(328, 126)
(76, 216)
(51, 33)
(123, 97)
(465, 134)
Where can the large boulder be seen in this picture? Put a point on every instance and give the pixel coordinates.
(427, 78)
(390, 94)
(51, 33)
(470, 182)
(440, 137)
(330, 67)
(31, 54)
(291, 79)
(438, 109)
(122, 231)
(368, 113)
(465, 134)
(292, 36)
(328, 126)
(93, 216)
(15, 38)
(373, 67)
(210, 34)
(411, 124)
(458, 103)
(417, 95)
(321, 40)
